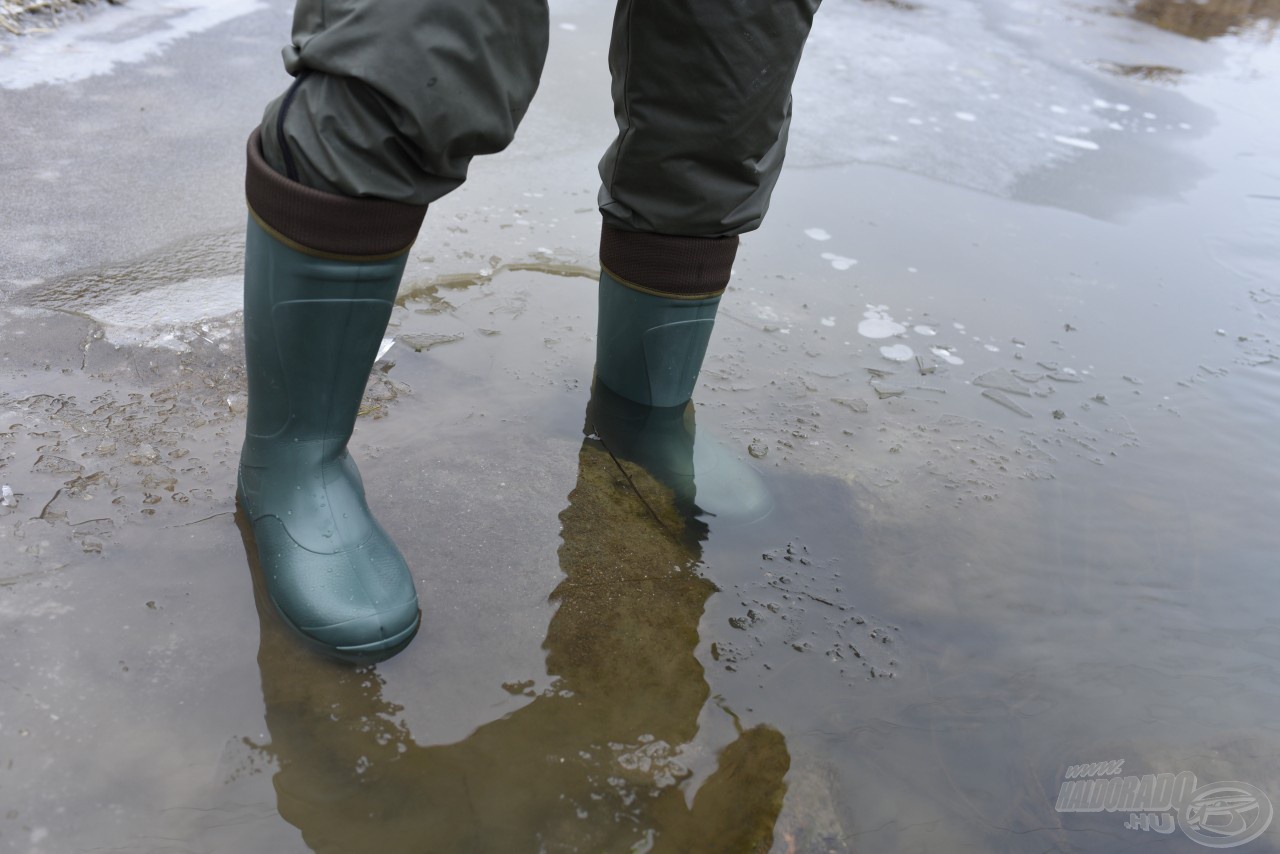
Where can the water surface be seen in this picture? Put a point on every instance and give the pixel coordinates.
(1005, 353)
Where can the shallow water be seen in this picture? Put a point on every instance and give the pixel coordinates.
(1014, 396)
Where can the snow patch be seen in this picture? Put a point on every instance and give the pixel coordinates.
(124, 34)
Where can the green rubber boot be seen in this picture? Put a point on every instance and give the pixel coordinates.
(649, 350)
(313, 326)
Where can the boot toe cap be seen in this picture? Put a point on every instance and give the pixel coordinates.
(356, 602)
(369, 636)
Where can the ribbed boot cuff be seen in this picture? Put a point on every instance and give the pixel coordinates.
(668, 265)
(324, 224)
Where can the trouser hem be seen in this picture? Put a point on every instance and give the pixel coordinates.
(324, 224)
(668, 265)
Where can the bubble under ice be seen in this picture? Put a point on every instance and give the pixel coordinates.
(838, 261)
(877, 323)
(946, 355)
(897, 353)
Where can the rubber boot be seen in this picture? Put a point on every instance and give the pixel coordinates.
(649, 350)
(313, 325)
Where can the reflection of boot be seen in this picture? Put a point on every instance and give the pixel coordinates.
(649, 349)
(703, 473)
(605, 759)
(314, 319)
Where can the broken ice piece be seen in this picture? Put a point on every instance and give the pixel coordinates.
(885, 391)
(1002, 380)
(1059, 373)
(1003, 399)
(857, 404)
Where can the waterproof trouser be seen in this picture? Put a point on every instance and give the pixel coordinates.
(393, 98)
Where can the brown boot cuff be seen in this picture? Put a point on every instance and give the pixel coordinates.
(668, 265)
(326, 224)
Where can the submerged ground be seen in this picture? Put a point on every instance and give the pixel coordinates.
(1005, 350)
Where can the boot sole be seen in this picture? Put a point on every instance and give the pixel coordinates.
(369, 653)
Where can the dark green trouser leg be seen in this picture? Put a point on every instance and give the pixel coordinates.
(702, 97)
(321, 274)
(399, 95)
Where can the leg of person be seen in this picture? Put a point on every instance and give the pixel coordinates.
(702, 97)
(391, 100)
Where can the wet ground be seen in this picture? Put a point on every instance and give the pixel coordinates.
(1006, 352)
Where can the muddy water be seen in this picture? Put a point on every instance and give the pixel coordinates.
(1005, 354)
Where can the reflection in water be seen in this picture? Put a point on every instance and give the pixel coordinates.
(593, 764)
(1207, 19)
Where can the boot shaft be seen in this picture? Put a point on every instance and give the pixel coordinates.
(649, 347)
(312, 331)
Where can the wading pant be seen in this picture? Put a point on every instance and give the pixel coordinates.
(392, 99)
